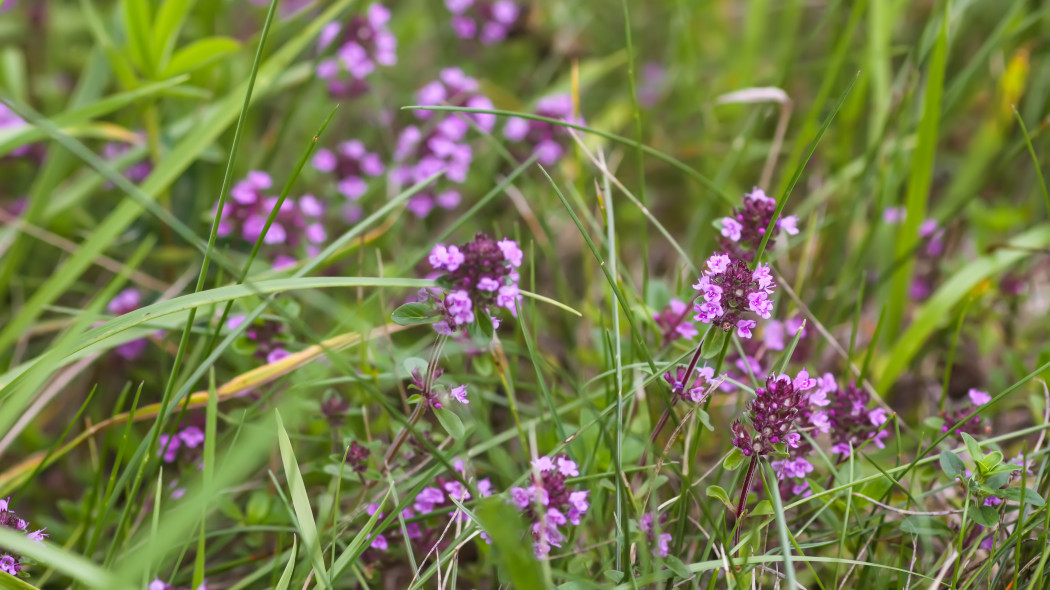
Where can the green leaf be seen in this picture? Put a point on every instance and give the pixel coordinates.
(918, 524)
(1030, 496)
(972, 447)
(733, 460)
(451, 422)
(713, 344)
(166, 27)
(504, 526)
(304, 515)
(137, 28)
(763, 508)
(413, 313)
(985, 516)
(991, 461)
(199, 54)
(286, 577)
(676, 566)
(721, 494)
(952, 465)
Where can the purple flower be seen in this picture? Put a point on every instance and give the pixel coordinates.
(549, 503)
(124, 302)
(660, 542)
(9, 563)
(481, 275)
(362, 44)
(546, 140)
(454, 88)
(297, 225)
(418, 157)
(460, 394)
(136, 172)
(351, 163)
(731, 289)
(190, 437)
(674, 322)
(694, 392)
(742, 232)
(483, 20)
(773, 414)
(979, 398)
(849, 419)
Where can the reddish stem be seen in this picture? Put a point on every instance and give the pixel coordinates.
(744, 493)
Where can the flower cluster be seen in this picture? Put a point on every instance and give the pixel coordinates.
(126, 301)
(488, 22)
(932, 235)
(298, 222)
(661, 542)
(190, 437)
(264, 337)
(776, 336)
(13, 564)
(546, 140)
(847, 416)
(8, 120)
(730, 289)
(434, 393)
(363, 43)
(357, 457)
(694, 392)
(480, 275)
(967, 415)
(773, 414)
(548, 503)
(136, 172)
(673, 321)
(742, 232)
(351, 163)
(428, 500)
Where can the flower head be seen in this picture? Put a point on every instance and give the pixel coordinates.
(550, 503)
(674, 321)
(362, 44)
(546, 140)
(483, 20)
(351, 164)
(12, 563)
(850, 421)
(731, 289)
(743, 230)
(481, 275)
(773, 414)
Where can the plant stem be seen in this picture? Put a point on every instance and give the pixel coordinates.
(744, 492)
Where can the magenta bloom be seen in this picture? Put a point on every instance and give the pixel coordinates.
(731, 289)
(124, 302)
(674, 322)
(773, 414)
(9, 563)
(351, 163)
(190, 437)
(481, 276)
(485, 21)
(549, 503)
(660, 542)
(362, 44)
(742, 231)
(546, 140)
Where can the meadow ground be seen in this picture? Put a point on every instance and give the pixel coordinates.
(531, 294)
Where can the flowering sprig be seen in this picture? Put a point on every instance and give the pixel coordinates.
(848, 418)
(363, 44)
(350, 162)
(696, 391)
(966, 415)
(549, 503)
(488, 22)
(124, 302)
(189, 437)
(11, 563)
(660, 542)
(743, 230)
(674, 322)
(432, 392)
(731, 289)
(546, 140)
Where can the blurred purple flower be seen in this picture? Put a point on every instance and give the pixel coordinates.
(362, 44)
(546, 140)
(549, 503)
(743, 230)
(483, 20)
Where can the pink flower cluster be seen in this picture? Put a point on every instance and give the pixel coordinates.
(549, 503)
(126, 301)
(742, 232)
(773, 414)
(363, 44)
(730, 289)
(481, 275)
(13, 564)
(674, 322)
(351, 163)
(190, 437)
(546, 140)
(488, 22)
(694, 392)
(661, 543)
(298, 223)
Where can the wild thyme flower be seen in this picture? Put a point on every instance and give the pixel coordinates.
(357, 457)
(694, 392)
(549, 503)
(850, 421)
(190, 437)
(420, 156)
(136, 172)
(967, 415)
(773, 414)
(437, 393)
(488, 22)
(454, 88)
(351, 163)
(479, 276)
(12, 563)
(9, 120)
(743, 230)
(265, 337)
(660, 542)
(363, 44)
(124, 302)
(297, 224)
(731, 289)
(546, 140)
(674, 322)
